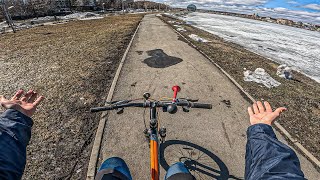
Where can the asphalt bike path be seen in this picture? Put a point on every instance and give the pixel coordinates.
(213, 140)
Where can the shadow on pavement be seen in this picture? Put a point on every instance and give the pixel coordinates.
(159, 59)
(201, 163)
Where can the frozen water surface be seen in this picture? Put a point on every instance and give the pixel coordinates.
(296, 47)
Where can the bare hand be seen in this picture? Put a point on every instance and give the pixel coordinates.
(263, 114)
(26, 104)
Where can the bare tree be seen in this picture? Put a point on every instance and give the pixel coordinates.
(6, 14)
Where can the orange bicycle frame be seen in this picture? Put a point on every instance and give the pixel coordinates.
(154, 145)
(154, 159)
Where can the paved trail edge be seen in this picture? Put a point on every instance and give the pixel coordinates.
(99, 134)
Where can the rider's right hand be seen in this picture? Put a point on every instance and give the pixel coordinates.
(263, 114)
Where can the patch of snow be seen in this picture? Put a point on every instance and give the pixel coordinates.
(3, 26)
(172, 15)
(180, 28)
(138, 12)
(50, 20)
(91, 18)
(298, 48)
(197, 38)
(190, 23)
(80, 15)
(41, 20)
(260, 76)
(284, 71)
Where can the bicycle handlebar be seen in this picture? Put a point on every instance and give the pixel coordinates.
(201, 105)
(112, 107)
(149, 104)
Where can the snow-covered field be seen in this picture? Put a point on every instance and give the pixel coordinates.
(296, 47)
(49, 20)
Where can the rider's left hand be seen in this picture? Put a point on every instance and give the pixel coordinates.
(26, 104)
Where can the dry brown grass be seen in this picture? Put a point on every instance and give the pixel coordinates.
(72, 65)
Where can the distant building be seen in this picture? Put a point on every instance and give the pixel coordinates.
(270, 19)
(281, 21)
(290, 23)
(191, 7)
(300, 23)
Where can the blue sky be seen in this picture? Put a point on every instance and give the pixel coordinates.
(299, 10)
(304, 5)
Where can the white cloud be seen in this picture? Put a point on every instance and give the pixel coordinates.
(245, 2)
(292, 2)
(220, 2)
(312, 6)
(280, 9)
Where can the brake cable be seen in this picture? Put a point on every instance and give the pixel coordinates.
(158, 117)
(144, 118)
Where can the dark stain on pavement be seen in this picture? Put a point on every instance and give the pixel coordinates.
(140, 52)
(226, 134)
(227, 102)
(134, 84)
(160, 59)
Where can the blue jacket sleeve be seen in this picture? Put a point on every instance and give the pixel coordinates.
(15, 133)
(268, 158)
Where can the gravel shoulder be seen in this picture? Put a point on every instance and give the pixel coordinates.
(72, 65)
(300, 96)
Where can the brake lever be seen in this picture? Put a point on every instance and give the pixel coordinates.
(185, 109)
(120, 111)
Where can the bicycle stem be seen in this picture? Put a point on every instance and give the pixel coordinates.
(153, 116)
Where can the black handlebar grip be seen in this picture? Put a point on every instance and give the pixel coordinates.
(200, 105)
(98, 109)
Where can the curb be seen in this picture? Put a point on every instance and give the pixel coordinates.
(103, 118)
(298, 145)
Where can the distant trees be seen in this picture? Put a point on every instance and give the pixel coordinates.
(35, 8)
(147, 5)
(26, 8)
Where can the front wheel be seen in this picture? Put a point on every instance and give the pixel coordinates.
(201, 163)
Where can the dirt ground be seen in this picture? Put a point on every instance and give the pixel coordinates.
(72, 65)
(300, 96)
